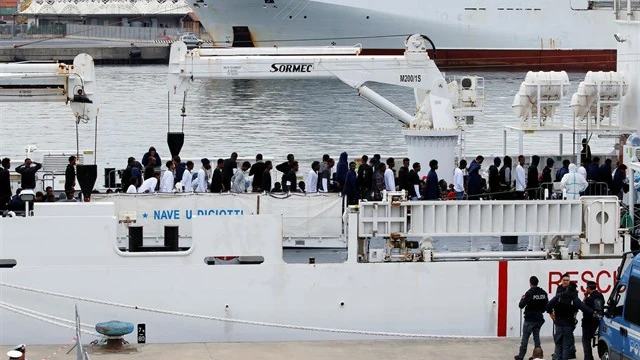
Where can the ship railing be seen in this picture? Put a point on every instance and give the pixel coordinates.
(48, 177)
(624, 9)
(553, 190)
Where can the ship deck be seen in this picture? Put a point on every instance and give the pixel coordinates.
(499, 348)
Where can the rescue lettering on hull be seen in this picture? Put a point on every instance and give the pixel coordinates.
(291, 68)
(410, 78)
(605, 280)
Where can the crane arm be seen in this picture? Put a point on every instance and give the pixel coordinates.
(52, 82)
(414, 69)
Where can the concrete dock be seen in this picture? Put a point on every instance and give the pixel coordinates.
(102, 51)
(503, 348)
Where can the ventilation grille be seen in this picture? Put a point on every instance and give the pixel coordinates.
(57, 163)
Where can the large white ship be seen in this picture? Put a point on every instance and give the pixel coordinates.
(63, 254)
(547, 34)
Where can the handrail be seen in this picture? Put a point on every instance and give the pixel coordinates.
(44, 179)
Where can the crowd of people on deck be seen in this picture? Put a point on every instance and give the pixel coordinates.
(367, 178)
(363, 179)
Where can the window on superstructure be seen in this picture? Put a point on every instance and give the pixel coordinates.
(631, 308)
(269, 1)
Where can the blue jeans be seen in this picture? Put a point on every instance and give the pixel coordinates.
(528, 328)
(459, 195)
(563, 338)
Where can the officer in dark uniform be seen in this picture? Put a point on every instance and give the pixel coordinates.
(564, 285)
(562, 309)
(534, 302)
(594, 300)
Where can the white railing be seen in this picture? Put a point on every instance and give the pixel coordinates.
(471, 218)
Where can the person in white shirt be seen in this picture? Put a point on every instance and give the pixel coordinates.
(312, 178)
(238, 180)
(187, 178)
(149, 185)
(166, 182)
(202, 181)
(389, 177)
(458, 179)
(520, 179)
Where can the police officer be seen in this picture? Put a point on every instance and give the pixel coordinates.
(562, 309)
(594, 300)
(564, 285)
(534, 302)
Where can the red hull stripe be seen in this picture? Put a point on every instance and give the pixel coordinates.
(533, 60)
(502, 297)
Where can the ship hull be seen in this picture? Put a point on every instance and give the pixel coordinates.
(545, 35)
(177, 295)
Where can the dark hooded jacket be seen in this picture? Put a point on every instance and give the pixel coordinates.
(145, 157)
(506, 180)
(341, 168)
(475, 180)
(494, 176)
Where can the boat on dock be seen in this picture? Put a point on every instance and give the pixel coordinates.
(172, 287)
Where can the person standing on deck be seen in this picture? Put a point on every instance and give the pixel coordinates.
(187, 182)
(547, 179)
(227, 171)
(28, 174)
(290, 180)
(403, 176)
(312, 178)
(474, 186)
(532, 178)
(70, 176)
(494, 178)
(5, 183)
(365, 178)
(573, 183)
(202, 181)
(166, 182)
(379, 186)
(432, 188)
(266, 176)
(342, 167)
(152, 153)
(389, 176)
(521, 183)
(458, 179)
(414, 182)
(350, 189)
(257, 169)
(216, 178)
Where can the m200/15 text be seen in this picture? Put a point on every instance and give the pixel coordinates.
(410, 78)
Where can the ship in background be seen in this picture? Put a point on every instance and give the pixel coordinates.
(508, 34)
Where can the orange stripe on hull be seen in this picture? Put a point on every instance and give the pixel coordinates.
(530, 60)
